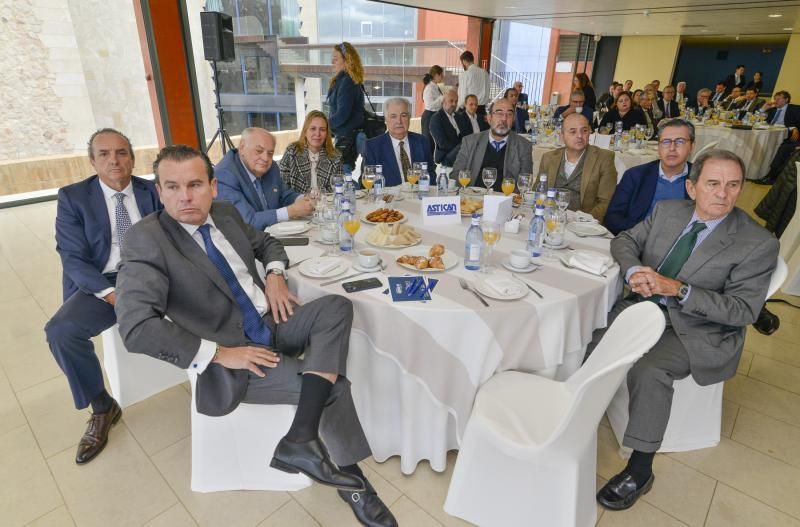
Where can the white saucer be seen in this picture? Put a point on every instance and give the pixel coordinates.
(531, 267)
(360, 269)
(557, 247)
(326, 242)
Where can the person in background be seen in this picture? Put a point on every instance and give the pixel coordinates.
(703, 101)
(520, 115)
(445, 132)
(667, 105)
(732, 101)
(651, 89)
(522, 100)
(681, 96)
(311, 162)
(577, 104)
(473, 81)
(583, 83)
(757, 82)
(736, 79)
(627, 85)
(750, 104)
(636, 97)
(346, 101)
(719, 93)
(781, 112)
(586, 170)
(469, 122)
(645, 185)
(432, 96)
(248, 178)
(657, 84)
(606, 100)
(623, 111)
(646, 103)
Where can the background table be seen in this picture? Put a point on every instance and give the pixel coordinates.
(755, 147)
(416, 367)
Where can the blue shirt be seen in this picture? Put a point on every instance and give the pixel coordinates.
(669, 187)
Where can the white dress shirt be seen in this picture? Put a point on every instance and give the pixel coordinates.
(396, 148)
(207, 348)
(313, 158)
(473, 119)
(133, 211)
(569, 166)
(452, 118)
(432, 97)
(473, 81)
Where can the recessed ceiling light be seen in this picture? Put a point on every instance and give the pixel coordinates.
(703, 31)
(775, 15)
(788, 29)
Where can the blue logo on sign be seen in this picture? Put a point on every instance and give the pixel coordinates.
(441, 209)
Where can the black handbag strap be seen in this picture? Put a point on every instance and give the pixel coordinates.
(368, 99)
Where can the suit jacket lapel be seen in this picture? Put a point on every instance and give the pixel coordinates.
(392, 168)
(144, 200)
(711, 246)
(97, 204)
(588, 170)
(247, 185)
(668, 235)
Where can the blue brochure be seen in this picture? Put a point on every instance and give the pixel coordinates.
(411, 288)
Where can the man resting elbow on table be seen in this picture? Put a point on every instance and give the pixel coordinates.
(708, 266)
(189, 293)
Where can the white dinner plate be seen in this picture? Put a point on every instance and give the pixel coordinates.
(449, 259)
(307, 268)
(491, 293)
(587, 229)
(361, 194)
(531, 267)
(475, 191)
(287, 228)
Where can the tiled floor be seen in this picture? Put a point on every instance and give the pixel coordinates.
(751, 479)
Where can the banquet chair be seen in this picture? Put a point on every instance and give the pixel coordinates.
(790, 248)
(695, 419)
(232, 452)
(133, 377)
(529, 452)
(709, 146)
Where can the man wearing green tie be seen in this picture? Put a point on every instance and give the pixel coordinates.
(708, 265)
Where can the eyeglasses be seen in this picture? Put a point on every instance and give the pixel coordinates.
(394, 116)
(501, 113)
(667, 143)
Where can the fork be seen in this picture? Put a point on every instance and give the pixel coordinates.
(465, 286)
(568, 266)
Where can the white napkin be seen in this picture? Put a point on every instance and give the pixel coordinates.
(284, 227)
(638, 151)
(503, 285)
(512, 226)
(590, 261)
(323, 266)
(580, 216)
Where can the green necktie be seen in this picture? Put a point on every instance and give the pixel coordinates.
(674, 261)
(404, 161)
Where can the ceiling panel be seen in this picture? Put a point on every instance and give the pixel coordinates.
(631, 17)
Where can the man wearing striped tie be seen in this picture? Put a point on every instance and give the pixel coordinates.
(708, 265)
(91, 222)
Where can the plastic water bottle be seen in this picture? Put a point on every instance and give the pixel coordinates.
(442, 181)
(424, 182)
(550, 200)
(618, 136)
(350, 190)
(541, 187)
(338, 196)
(345, 240)
(379, 182)
(474, 245)
(536, 233)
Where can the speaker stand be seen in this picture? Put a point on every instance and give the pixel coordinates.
(221, 133)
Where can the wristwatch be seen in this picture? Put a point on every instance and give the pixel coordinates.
(278, 271)
(683, 290)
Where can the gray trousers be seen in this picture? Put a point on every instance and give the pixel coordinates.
(320, 332)
(650, 385)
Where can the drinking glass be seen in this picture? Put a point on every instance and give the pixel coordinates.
(413, 175)
(528, 126)
(523, 183)
(330, 231)
(352, 226)
(649, 132)
(489, 176)
(508, 185)
(555, 223)
(491, 235)
(368, 181)
(464, 178)
(562, 198)
(313, 196)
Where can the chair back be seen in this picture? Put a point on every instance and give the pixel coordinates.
(632, 334)
(709, 146)
(778, 277)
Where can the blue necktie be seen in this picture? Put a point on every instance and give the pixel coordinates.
(260, 192)
(777, 114)
(254, 327)
(122, 217)
(497, 145)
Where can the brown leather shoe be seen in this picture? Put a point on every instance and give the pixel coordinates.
(96, 436)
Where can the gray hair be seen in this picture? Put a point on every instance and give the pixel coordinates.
(90, 144)
(714, 154)
(674, 123)
(579, 93)
(397, 100)
(703, 91)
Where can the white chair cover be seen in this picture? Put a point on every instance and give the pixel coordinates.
(133, 377)
(233, 452)
(529, 451)
(709, 146)
(790, 249)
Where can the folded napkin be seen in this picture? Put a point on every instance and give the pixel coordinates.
(638, 151)
(511, 226)
(580, 216)
(323, 266)
(279, 228)
(503, 285)
(590, 261)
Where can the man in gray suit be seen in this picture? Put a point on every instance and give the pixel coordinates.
(189, 293)
(708, 266)
(499, 148)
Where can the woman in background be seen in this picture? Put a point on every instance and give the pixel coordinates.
(311, 161)
(583, 83)
(623, 111)
(432, 98)
(346, 101)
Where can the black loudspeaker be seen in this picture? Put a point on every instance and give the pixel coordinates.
(217, 36)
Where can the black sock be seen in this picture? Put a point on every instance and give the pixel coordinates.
(640, 466)
(102, 402)
(314, 393)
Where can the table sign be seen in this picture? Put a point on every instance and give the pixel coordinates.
(443, 210)
(601, 141)
(497, 208)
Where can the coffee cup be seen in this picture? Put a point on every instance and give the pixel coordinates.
(579, 109)
(368, 258)
(519, 259)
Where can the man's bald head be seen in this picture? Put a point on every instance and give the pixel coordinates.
(256, 148)
(450, 101)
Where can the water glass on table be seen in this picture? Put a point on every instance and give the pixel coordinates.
(555, 223)
(368, 180)
(489, 176)
(329, 231)
(562, 198)
(491, 235)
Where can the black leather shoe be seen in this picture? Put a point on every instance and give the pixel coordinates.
(767, 323)
(369, 508)
(764, 181)
(95, 438)
(621, 492)
(312, 459)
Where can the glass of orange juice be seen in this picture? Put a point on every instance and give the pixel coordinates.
(508, 185)
(351, 226)
(413, 176)
(464, 178)
(491, 235)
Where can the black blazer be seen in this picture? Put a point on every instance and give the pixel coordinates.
(674, 111)
(730, 82)
(791, 118)
(465, 126)
(446, 139)
(631, 119)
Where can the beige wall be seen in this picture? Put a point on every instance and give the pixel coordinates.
(789, 76)
(643, 59)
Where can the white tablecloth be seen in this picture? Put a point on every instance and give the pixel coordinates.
(416, 367)
(755, 147)
(622, 160)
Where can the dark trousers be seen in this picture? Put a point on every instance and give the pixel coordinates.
(69, 334)
(783, 154)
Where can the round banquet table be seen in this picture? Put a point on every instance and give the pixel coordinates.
(755, 147)
(416, 367)
(622, 160)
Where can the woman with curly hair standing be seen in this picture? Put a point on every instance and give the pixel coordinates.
(346, 101)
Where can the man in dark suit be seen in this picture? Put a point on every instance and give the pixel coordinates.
(522, 99)
(780, 111)
(645, 185)
(719, 93)
(520, 115)
(398, 148)
(468, 120)
(736, 79)
(191, 294)
(249, 179)
(667, 103)
(732, 101)
(93, 217)
(577, 104)
(750, 104)
(708, 265)
(445, 132)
